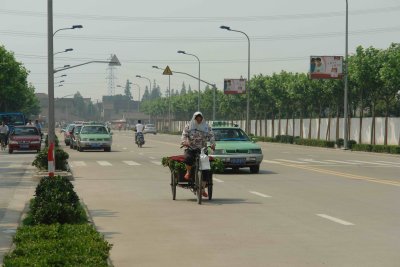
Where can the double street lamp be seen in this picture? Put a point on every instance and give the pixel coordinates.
(248, 76)
(183, 52)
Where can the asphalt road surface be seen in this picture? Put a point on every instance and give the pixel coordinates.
(307, 207)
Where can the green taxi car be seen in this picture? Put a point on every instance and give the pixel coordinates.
(236, 149)
(94, 137)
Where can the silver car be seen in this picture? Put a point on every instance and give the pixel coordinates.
(150, 128)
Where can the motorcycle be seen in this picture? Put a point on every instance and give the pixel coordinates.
(139, 139)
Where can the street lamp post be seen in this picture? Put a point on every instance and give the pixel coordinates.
(345, 136)
(66, 50)
(183, 52)
(248, 76)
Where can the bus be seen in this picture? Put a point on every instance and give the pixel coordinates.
(12, 119)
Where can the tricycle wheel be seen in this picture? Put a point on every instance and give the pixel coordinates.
(210, 188)
(199, 176)
(173, 186)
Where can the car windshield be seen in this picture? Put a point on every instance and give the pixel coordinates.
(149, 126)
(77, 129)
(94, 130)
(26, 131)
(230, 135)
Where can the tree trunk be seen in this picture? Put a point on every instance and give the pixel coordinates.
(301, 125)
(328, 129)
(266, 125)
(309, 127)
(273, 125)
(287, 126)
(373, 126)
(293, 119)
(279, 123)
(337, 123)
(386, 124)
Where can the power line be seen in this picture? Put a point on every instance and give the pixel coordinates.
(206, 39)
(203, 19)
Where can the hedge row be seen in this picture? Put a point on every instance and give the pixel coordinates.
(377, 148)
(321, 143)
(56, 231)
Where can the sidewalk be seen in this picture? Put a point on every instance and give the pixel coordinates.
(14, 197)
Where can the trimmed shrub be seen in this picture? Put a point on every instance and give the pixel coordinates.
(314, 142)
(284, 139)
(58, 245)
(351, 143)
(55, 202)
(339, 142)
(56, 141)
(61, 158)
(395, 149)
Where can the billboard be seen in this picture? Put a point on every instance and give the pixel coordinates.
(326, 67)
(234, 86)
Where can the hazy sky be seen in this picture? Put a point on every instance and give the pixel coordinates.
(283, 34)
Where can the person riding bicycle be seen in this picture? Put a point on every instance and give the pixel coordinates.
(195, 135)
(3, 132)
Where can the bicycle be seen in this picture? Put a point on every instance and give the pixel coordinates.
(197, 176)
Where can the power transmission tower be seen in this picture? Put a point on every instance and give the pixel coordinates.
(111, 78)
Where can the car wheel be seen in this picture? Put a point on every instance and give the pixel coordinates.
(10, 151)
(107, 149)
(255, 169)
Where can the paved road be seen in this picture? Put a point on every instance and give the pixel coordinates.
(306, 207)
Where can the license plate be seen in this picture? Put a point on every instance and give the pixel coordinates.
(95, 145)
(24, 146)
(238, 161)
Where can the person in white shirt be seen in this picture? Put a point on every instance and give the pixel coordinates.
(29, 123)
(3, 132)
(138, 128)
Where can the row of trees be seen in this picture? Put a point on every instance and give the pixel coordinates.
(15, 92)
(374, 90)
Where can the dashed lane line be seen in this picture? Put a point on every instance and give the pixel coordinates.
(259, 194)
(156, 162)
(336, 220)
(131, 163)
(104, 163)
(217, 180)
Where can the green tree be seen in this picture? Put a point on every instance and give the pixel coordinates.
(127, 90)
(15, 92)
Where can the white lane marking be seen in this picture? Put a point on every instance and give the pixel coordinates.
(333, 219)
(292, 161)
(367, 162)
(389, 162)
(152, 158)
(314, 161)
(343, 162)
(270, 161)
(78, 163)
(15, 166)
(131, 163)
(156, 162)
(124, 148)
(218, 180)
(104, 163)
(259, 194)
(141, 153)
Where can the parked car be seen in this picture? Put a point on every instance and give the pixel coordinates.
(236, 149)
(24, 138)
(94, 137)
(67, 133)
(73, 134)
(150, 128)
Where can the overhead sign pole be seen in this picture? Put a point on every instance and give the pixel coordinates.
(168, 72)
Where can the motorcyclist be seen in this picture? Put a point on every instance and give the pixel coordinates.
(195, 135)
(3, 132)
(138, 129)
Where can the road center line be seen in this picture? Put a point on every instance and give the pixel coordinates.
(218, 180)
(131, 163)
(342, 174)
(156, 162)
(333, 219)
(259, 194)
